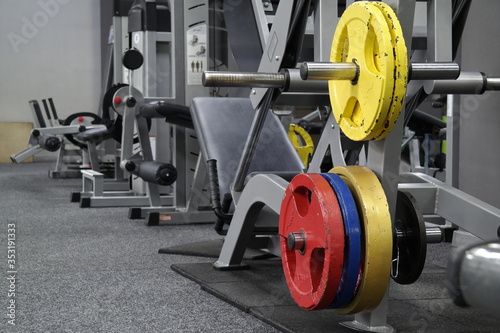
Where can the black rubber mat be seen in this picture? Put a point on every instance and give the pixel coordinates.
(210, 249)
(261, 291)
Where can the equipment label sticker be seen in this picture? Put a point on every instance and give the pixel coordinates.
(196, 53)
(164, 217)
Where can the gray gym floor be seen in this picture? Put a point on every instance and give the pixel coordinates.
(94, 270)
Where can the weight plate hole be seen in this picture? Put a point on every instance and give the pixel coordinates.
(345, 51)
(376, 55)
(357, 115)
(302, 196)
(292, 262)
(317, 263)
(353, 113)
(371, 53)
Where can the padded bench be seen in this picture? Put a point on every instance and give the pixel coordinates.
(222, 126)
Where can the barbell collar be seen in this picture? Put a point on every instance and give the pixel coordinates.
(294, 83)
(434, 71)
(433, 235)
(468, 83)
(493, 83)
(329, 71)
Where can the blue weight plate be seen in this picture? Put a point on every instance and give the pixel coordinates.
(352, 252)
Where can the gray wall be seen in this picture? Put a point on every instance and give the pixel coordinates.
(50, 48)
(480, 115)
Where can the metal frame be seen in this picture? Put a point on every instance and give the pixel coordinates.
(437, 198)
(184, 201)
(190, 205)
(232, 250)
(69, 161)
(59, 131)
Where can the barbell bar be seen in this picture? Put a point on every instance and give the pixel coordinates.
(286, 80)
(416, 71)
(317, 71)
(468, 83)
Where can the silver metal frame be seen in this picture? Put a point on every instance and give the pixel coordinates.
(436, 197)
(184, 201)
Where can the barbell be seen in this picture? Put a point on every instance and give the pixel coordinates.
(367, 75)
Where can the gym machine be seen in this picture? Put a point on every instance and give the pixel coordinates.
(86, 153)
(155, 62)
(343, 233)
(57, 137)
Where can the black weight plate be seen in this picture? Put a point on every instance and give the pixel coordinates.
(96, 120)
(116, 126)
(107, 101)
(410, 243)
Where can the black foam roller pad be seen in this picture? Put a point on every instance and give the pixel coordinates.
(176, 114)
(156, 172)
(49, 142)
(93, 135)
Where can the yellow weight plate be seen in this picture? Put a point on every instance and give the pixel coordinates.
(400, 70)
(377, 233)
(302, 142)
(363, 37)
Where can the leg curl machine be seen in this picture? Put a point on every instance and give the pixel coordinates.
(63, 132)
(343, 233)
(136, 159)
(155, 30)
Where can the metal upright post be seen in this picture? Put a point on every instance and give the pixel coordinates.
(275, 47)
(383, 159)
(452, 139)
(325, 21)
(262, 97)
(147, 154)
(439, 48)
(260, 17)
(251, 143)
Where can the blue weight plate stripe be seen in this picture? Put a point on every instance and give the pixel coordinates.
(352, 251)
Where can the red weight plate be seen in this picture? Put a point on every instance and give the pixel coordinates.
(313, 269)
